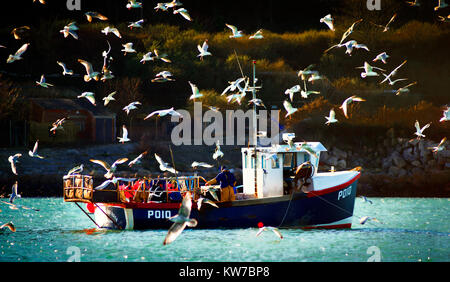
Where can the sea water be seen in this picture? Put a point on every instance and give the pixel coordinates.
(407, 230)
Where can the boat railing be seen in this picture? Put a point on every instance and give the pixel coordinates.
(80, 188)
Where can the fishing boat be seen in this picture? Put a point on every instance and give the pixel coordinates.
(281, 187)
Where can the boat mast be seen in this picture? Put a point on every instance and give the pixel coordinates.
(255, 129)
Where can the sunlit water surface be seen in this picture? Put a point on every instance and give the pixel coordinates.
(411, 230)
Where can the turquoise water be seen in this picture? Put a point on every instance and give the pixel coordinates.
(411, 230)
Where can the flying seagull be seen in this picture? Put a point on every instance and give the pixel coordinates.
(392, 73)
(91, 15)
(181, 220)
(162, 113)
(348, 101)
(236, 33)
(439, 147)
(233, 85)
(17, 32)
(163, 166)
(65, 69)
(109, 169)
(113, 180)
(128, 48)
(131, 106)
(203, 50)
(217, 153)
(42, 82)
(113, 30)
(331, 118)
(70, 29)
(109, 98)
(8, 225)
(381, 57)
(329, 21)
(368, 70)
(366, 200)
(202, 200)
(289, 108)
(419, 131)
(184, 13)
(133, 4)
(18, 54)
(292, 90)
(195, 92)
(57, 125)
(90, 73)
(13, 160)
(196, 164)
(76, 170)
(364, 219)
(124, 138)
(257, 35)
(269, 228)
(137, 24)
(89, 96)
(386, 27)
(446, 115)
(404, 89)
(34, 153)
(441, 5)
(137, 160)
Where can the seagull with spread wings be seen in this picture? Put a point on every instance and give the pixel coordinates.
(163, 166)
(34, 153)
(18, 55)
(110, 170)
(181, 220)
(90, 73)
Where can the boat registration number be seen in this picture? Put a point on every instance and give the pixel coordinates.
(159, 214)
(344, 193)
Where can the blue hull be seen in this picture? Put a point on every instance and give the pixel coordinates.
(328, 209)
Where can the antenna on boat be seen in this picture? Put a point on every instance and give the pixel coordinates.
(255, 129)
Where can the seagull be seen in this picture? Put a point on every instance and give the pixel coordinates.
(257, 102)
(307, 72)
(173, 4)
(114, 30)
(386, 27)
(114, 181)
(305, 94)
(128, 48)
(446, 115)
(109, 169)
(366, 200)
(331, 118)
(381, 57)
(137, 160)
(65, 69)
(349, 30)
(18, 54)
(289, 108)
(368, 70)
(235, 98)
(14, 193)
(349, 45)
(443, 19)
(43, 83)
(70, 30)
(163, 76)
(195, 92)
(441, 5)
(196, 164)
(181, 220)
(416, 3)
(124, 137)
(236, 33)
(184, 13)
(40, 1)
(147, 57)
(269, 228)
(203, 50)
(217, 152)
(328, 20)
(292, 90)
(57, 125)
(75, 170)
(439, 147)
(257, 35)
(404, 89)
(289, 139)
(364, 219)
(202, 200)
(307, 149)
(348, 101)
(89, 96)
(13, 160)
(16, 32)
(34, 153)
(392, 82)
(233, 85)
(131, 106)
(162, 57)
(90, 15)
(133, 4)
(419, 131)
(393, 72)
(8, 225)
(162, 6)
(162, 113)
(137, 24)
(109, 98)
(163, 166)
(90, 73)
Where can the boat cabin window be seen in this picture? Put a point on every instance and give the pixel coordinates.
(289, 160)
(275, 162)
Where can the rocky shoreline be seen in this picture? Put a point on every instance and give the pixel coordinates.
(397, 167)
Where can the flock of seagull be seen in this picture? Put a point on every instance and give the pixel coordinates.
(308, 74)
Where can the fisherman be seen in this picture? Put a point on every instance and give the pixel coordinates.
(227, 181)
